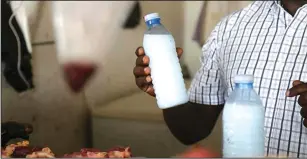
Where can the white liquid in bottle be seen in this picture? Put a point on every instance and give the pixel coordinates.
(243, 121)
(167, 78)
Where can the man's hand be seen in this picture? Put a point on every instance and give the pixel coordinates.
(300, 88)
(141, 71)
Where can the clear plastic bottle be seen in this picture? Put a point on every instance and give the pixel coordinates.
(167, 79)
(243, 121)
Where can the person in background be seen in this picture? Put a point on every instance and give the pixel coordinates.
(267, 39)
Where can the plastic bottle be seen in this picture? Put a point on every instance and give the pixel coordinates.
(243, 121)
(167, 79)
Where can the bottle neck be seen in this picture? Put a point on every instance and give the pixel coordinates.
(153, 22)
(244, 85)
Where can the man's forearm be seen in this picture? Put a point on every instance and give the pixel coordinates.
(191, 122)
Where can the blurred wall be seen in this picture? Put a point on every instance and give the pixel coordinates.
(60, 118)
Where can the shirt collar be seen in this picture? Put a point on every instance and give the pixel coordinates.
(282, 14)
(278, 2)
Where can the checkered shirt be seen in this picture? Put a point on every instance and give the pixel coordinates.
(266, 41)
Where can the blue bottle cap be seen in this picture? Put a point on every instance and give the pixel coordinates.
(244, 79)
(151, 16)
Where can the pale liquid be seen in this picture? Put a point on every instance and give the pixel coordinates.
(166, 72)
(243, 131)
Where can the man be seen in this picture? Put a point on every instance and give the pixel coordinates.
(267, 39)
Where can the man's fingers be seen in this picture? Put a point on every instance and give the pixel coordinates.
(141, 71)
(142, 61)
(297, 90)
(302, 100)
(296, 82)
(179, 52)
(144, 83)
(150, 90)
(141, 82)
(140, 51)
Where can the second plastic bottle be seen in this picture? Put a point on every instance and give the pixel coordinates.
(167, 78)
(243, 121)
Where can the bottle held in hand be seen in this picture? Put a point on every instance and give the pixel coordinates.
(167, 78)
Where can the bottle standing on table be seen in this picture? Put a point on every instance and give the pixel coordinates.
(243, 121)
(159, 46)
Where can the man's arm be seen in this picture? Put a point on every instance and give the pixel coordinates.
(191, 122)
(194, 121)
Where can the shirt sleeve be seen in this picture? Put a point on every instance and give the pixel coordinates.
(207, 87)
